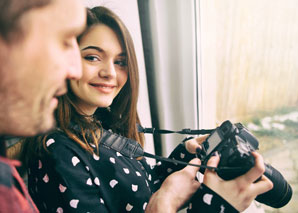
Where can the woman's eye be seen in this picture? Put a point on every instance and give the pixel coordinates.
(121, 63)
(91, 58)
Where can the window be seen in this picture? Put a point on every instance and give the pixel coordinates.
(249, 64)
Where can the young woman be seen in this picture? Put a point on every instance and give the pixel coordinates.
(73, 168)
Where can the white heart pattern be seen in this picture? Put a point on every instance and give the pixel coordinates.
(96, 181)
(207, 198)
(50, 141)
(46, 178)
(74, 203)
(129, 207)
(101, 200)
(182, 155)
(112, 160)
(134, 187)
(156, 181)
(113, 183)
(89, 182)
(62, 188)
(145, 205)
(39, 164)
(138, 173)
(96, 157)
(118, 154)
(126, 170)
(75, 160)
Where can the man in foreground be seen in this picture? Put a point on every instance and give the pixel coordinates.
(38, 52)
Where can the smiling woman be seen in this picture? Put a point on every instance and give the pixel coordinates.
(105, 70)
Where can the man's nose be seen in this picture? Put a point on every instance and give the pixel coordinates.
(75, 66)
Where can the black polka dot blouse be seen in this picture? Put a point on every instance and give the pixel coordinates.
(69, 179)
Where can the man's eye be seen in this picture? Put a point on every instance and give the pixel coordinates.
(69, 43)
(91, 58)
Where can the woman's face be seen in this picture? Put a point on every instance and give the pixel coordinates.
(104, 69)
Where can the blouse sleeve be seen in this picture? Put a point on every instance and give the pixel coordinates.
(207, 201)
(56, 181)
(164, 169)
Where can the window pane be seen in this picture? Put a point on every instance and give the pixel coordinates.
(249, 54)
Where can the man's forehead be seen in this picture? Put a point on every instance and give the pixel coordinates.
(67, 16)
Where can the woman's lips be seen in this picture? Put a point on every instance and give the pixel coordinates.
(104, 88)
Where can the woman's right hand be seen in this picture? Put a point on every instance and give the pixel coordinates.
(176, 190)
(241, 191)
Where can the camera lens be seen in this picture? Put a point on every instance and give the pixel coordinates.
(281, 193)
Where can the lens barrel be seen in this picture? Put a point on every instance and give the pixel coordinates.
(280, 194)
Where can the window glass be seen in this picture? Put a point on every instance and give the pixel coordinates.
(249, 63)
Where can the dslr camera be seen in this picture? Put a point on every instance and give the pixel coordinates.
(234, 144)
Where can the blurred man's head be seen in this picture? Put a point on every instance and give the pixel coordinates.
(38, 51)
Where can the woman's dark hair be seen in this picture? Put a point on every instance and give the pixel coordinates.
(121, 117)
(11, 13)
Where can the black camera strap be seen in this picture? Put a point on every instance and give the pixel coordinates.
(132, 149)
(183, 131)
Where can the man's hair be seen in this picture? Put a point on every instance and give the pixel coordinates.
(11, 12)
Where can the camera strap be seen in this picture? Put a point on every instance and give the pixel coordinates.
(183, 131)
(132, 149)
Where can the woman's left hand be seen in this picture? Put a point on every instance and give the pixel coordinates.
(193, 144)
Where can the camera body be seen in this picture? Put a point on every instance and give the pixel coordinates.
(234, 144)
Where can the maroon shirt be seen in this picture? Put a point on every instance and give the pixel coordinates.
(14, 196)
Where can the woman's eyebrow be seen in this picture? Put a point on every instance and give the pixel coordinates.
(93, 47)
(123, 54)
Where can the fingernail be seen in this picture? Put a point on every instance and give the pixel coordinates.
(198, 150)
(214, 153)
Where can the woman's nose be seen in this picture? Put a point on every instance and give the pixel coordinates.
(108, 70)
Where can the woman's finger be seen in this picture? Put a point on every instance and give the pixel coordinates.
(194, 143)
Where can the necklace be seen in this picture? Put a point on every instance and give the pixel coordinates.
(89, 118)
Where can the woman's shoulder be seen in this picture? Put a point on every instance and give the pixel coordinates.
(58, 139)
(56, 135)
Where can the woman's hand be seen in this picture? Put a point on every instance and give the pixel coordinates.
(241, 191)
(193, 144)
(176, 190)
